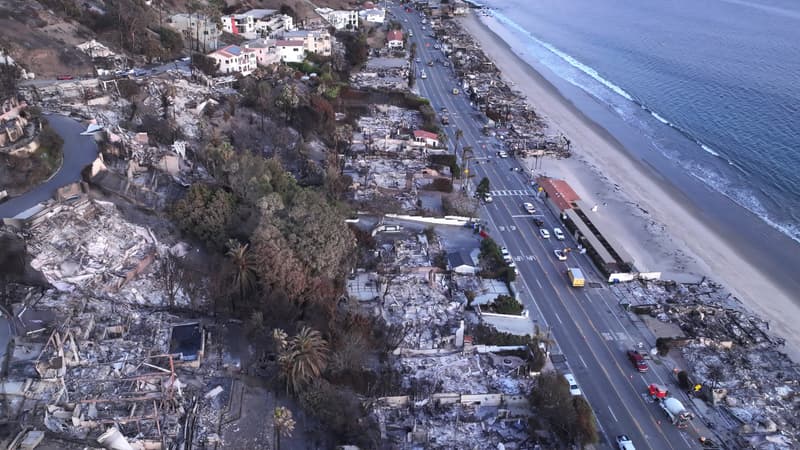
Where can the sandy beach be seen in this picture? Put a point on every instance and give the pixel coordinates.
(658, 227)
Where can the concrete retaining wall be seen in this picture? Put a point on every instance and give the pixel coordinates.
(448, 220)
(451, 398)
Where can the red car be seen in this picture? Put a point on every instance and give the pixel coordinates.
(638, 361)
(64, 77)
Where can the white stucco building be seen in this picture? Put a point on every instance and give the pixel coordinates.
(340, 19)
(235, 59)
(314, 41)
(290, 51)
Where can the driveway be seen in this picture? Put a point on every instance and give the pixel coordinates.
(79, 151)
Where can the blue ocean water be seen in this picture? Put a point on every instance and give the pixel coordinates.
(714, 85)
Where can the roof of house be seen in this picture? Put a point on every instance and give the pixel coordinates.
(287, 43)
(425, 135)
(394, 35)
(458, 259)
(261, 13)
(229, 51)
(559, 192)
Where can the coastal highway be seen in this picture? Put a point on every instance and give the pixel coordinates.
(589, 326)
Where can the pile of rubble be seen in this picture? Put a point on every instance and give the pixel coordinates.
(96, 356)
(443, 375)
(731, 353)
(383, 73)
(511, 117)
(89, 246)
(387, 121)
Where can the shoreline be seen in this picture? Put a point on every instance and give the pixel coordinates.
(637, 199)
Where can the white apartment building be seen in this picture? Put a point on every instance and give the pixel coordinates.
(275, 23)
(199, 33)
(290, 51)
(256, 23)
(235, 59)
(314, 41)
(373, 15)
(341, 20)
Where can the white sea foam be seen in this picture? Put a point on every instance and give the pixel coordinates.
(716, 181)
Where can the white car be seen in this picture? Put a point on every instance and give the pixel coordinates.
(545, 234)
(573, 385)
(529, 208)
(558, 234)
(422, 75)
(625, 443)
(511, 263)
(488, 198)
(502, 154)
(504, 251)
(560, 255)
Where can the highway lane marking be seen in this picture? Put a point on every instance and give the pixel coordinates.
(600, 364)
(586, 366)
(540, 287)
(557, 316)
(469, 130)
(612, 414)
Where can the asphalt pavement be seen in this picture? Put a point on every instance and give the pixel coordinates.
(79, 151)
(590, 328)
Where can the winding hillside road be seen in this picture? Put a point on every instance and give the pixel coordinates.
(79, 151)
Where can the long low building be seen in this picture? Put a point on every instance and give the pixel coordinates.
(598, 241)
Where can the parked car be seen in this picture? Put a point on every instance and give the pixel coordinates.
(538, 222)
(502, 154)
(544, 233)
(573, 385)
(560, 255)
(558, 234)
(529, 208)
(64, 77)
(488, 198)
(638, 361)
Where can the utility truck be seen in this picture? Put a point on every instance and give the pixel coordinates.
(673, 408)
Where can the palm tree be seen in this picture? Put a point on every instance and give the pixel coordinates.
(244, 274)
(281, 339)
(282, 424)
(303, 358)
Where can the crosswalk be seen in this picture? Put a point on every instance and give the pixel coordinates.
(512, 192)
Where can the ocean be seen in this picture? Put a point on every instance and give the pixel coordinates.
(713, 86)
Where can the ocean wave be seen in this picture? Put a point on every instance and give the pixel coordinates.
(565, 56)
(719, 183)
(744, 198)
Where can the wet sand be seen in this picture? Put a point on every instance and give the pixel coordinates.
(658, 225)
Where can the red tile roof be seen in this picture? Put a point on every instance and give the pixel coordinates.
(425, 135)
(559, 192)
(394, 35)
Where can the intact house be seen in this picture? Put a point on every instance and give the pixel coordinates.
(394, 39)
(265, 50)
(463, 262)
(314, 41)
(426, 137)
(341, 20)
(256, 23)
(235, 59)
(12, 120)
(290, 51)
(199, 32)
(371, 14)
